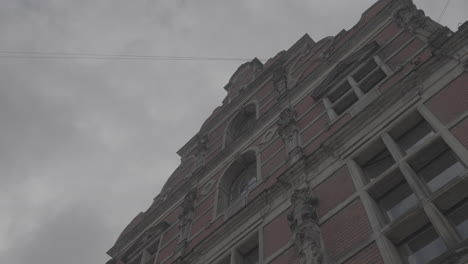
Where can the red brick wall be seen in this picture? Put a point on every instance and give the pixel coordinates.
(311, 115)
(276, 234)
(204, 205)
(345, 230)
(387, 34)
(395, 44)
(199, 223)
(269, 166)
(334, 190)
(272, 148)
(407, 52)
(369, 255)
(456, 93)
(305, 104)
(314, 129)
(166, 251)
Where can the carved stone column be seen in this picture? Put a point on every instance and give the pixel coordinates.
(185, 223)
(303, 223)
(289, 132)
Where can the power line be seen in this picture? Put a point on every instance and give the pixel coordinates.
(97, 56)
(65, 55)
(443, 11)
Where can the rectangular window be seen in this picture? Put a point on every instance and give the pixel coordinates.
(436, 164)
(250, 257)
(422, 247)
(375, 160)
(372, 80)
(345, 102)
(355, 86)
(459, 218)
(413, 132)
(398, 201)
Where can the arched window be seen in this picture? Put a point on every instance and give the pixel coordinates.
(239, 179)
(241, 123)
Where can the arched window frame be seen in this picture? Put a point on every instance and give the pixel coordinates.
(227, 202)
(237, 127)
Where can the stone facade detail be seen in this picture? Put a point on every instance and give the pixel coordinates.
(289, 132)
(201, 152)
(303, 222)
(409, 17)
(280, 81)
(328, 116)
(185, 224)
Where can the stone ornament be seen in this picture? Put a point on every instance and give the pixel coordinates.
(292, 78)
(201, 152)
(185, 219)
(207, 188)
(280, 81)
(268, 135)
(409, 17)
(303, 222)
(289, 132)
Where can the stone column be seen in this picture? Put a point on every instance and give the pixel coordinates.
(289, 132)
(303, 222)
(185, 224)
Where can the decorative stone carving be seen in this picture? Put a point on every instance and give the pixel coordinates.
(280, 81)
(293, 76)
(201, 152)
(409, 17)
(185, 219)
(185, 223)
(289, 132)
(303, 222)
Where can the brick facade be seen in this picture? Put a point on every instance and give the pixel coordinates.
(280, 171)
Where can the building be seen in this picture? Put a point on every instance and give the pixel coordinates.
(351, 149)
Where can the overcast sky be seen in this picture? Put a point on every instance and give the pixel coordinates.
(86, 144)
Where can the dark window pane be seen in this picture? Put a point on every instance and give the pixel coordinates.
(344, 103)
(378, 164)
(251, 257)
(437, 165)
(459, 217)
(153, 248)
(372, 80)
(374, 160)
(423, 247)
(398, 201)
(339, 92)
(412, 132)
(366, 69)
(244, 182)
